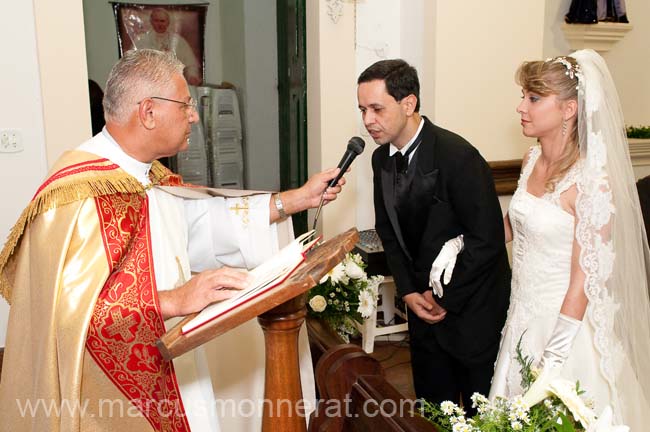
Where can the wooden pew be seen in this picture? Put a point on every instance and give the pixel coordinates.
(321, 339)
(354, 395)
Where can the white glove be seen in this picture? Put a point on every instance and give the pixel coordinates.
(555, 354)
(445, 261)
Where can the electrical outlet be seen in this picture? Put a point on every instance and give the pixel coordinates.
(11, 141)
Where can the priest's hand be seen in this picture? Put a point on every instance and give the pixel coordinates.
(204, 288)
(425, 307)
(317, 186)
(307, 196)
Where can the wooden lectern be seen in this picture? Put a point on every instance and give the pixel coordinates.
(281, 312)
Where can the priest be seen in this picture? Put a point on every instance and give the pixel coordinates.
(110, 249)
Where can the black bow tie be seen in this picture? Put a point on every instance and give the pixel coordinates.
(402, 160)
(401, 163)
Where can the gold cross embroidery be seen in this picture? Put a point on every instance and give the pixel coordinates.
(237, 208)
(243, 207)
(121, 325)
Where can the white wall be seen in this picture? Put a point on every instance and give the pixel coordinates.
(629, 63)
(64, 77)
(44, 95)
(628, 60)
(476, 57)
(21, 108)
(378, 38)
(331, 104)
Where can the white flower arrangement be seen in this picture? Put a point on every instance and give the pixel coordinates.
(344, 295)
(564, 411)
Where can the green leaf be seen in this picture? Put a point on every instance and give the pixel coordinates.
(526, 364)
(566, 425)
(638, 132)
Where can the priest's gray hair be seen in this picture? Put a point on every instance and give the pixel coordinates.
(139, 74)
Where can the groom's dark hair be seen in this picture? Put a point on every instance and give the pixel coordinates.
(401, 78)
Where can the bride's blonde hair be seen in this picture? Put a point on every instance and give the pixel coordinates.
(556, 76)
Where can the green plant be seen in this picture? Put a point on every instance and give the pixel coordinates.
(345, 295)
(638, 131)
(563, 411)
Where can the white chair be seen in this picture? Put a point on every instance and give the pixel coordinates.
(369, 330)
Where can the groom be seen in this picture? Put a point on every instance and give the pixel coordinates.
(435, 203)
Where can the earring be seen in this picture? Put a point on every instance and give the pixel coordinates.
(563, 127)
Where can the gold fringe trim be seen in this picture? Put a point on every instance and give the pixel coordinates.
(5, 287)
(158, 172)
(60, 193)
(67, 190)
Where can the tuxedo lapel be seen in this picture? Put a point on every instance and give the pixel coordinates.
(388, 191)
(426, 162)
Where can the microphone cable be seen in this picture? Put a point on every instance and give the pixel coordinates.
(320, 206)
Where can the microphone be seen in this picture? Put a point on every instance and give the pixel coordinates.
(354, 149)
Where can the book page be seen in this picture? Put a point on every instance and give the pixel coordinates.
(270, 273)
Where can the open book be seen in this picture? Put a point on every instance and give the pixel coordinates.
(267, 275)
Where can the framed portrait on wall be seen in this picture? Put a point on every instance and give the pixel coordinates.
(176, 28)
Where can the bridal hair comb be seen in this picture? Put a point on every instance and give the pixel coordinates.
(572, 71)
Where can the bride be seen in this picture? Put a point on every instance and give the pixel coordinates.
(580, 253)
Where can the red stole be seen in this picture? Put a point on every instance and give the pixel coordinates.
(127, 322)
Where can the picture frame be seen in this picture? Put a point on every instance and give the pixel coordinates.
(179, 28)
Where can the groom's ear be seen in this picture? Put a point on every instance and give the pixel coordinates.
(409, 103)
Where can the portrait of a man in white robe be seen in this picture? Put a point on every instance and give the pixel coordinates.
(175, 28)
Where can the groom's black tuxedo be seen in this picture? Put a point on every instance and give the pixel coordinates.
(450, 191)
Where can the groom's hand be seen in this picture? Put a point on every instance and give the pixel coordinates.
(425, 307)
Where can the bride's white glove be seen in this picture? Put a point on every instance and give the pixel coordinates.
(445, 261)
(555, 354)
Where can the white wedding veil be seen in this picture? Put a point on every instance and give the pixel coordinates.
(610, 231)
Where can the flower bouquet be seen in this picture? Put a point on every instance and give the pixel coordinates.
(344, 295)
(564, 411)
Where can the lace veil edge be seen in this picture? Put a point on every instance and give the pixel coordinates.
(610, 231)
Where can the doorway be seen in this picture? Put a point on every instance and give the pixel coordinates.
(292, 95)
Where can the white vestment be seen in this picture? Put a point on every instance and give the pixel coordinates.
(192, 235)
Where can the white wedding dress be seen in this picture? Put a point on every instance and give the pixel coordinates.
(606, 240)
(543, 236)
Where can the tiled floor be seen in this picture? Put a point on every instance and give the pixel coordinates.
(395, 358)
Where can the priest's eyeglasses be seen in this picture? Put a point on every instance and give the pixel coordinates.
(189, 106)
